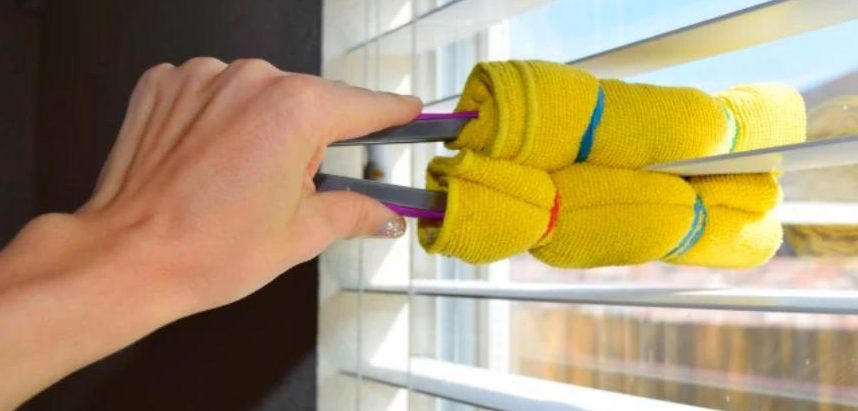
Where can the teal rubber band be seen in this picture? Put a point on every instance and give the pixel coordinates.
(698, 226)
(731, 121)
(595, 118)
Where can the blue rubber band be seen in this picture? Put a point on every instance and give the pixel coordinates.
(587, 138)
(698, 225)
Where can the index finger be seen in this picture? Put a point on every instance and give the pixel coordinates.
(357, 111)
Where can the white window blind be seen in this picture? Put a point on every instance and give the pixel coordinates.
(402, 330)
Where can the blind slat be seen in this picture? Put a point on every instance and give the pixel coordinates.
(507, 392)
(452, 21)
(769, 300)
(743, 28)
(792, 389)
(818, 213)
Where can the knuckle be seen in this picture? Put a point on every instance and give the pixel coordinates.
(299, 101)
(158, 70)
(202, 64)
(344, 218)
(357, 216)
(154, 75)
(300, 89)
(254, 66)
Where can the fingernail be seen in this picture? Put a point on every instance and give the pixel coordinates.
(392, 228)
(407, 97)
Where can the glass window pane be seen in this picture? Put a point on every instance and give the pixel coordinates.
(731, 360)
(717, 359)
(721, 359)
(565, 30)
(345, 26)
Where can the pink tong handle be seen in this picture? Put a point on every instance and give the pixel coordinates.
(405, 201)
(415, 212)
(418, 212)
(423, 213)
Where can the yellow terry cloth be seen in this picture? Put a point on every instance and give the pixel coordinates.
(606, 216)
(644, 124)
(766, 115)
(536, 159)
(741, 228)
(531, 112)
(495, 208)
(614, 216)
(550, 115)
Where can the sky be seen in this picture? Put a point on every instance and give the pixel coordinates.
(563, 30)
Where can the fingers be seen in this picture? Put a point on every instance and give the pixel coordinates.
(319, 111)
(201, 72)
(185, 98)
(348, 215)
(345, 111)
(240, 84)
(137, 116)
(253, 102)
(242, 71)
(158, 112)
(327, 217)
(359, 111)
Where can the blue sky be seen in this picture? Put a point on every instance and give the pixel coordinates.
(567, 29)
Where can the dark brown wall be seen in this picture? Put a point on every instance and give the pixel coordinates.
(19, 49)
(258, 354)
(95, 50)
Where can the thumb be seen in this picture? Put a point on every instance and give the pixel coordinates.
(340, 215)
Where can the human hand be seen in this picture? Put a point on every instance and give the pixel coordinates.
(210, 179)
(206, 197)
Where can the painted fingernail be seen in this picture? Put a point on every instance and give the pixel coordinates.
(393, 228)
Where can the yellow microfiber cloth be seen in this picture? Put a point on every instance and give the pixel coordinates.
(636, 216)
(531, 112)
(549, 116)
(741, 229)
(766, 115)
(612, 216)
(495, 208)
(605, 215)
(552, 166)
(644, 124)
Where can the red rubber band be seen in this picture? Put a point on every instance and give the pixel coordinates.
(552, 219)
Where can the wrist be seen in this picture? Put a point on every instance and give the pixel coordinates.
(87, 254)
(70, 295)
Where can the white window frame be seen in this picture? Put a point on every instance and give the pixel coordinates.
(353, 328)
